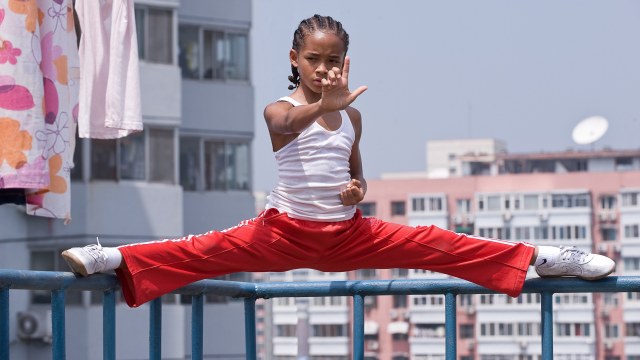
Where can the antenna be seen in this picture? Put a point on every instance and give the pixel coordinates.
(589, 130)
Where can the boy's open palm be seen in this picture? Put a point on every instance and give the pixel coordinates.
(335, 89)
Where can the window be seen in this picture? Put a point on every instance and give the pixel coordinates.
(366, 274)
(631, 231)
(496, 329)
(572, 329)
(466, 331)
(400, 337)
(466, 299)
(76, 171)
(480, 204)
(541, 233)
(190, 172)
(633, 296)
(398, 208)
(399, 301)
(607, 202)
(435, 204)
(570, 200)
(329, 330)
(224, 55)
(633, 329)
(610, 299)
(452, 156)
(189, 51)
(452, 170)
(493, 203)
(368, 209)
(609, 234)
(610, 330)
(429, 330)
(530, 202)
(238, 166)
(132, 164)
(126, 158)
(286, 330)
(630, 199)
(154, 27)
(399, 273)
(528, 329)
(370, 302)
(161, 156)
(463, 206)
(624, 163)
(418, 204)
(632, 264)
(103, 159)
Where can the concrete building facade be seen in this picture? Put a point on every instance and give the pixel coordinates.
(188, 172)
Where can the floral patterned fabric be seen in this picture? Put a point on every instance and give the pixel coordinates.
(39, 81)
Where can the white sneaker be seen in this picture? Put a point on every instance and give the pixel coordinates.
(574, 262)
(86, 260)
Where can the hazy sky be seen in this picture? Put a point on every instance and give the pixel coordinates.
(522, 72)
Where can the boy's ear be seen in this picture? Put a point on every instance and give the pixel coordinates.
(293, 57)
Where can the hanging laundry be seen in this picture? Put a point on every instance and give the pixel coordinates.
(39, 84)
(110, 81)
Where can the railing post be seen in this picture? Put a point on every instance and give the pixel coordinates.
(155, 329)
(109, 325)
(250, 327)
(358, 327)
(57, 325)
(450, 326)
(196, 327)
(4, 323)
(547, 325)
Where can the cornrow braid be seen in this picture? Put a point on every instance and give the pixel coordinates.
(309, 26)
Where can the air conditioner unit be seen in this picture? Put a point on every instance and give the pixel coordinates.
(393, 313)
(613, 216)
(617, 248)
(471, 310)
(34, 325)
(608, 344)
(523, 344)
(602, 217)
(506, 216)
(602, 248)
(406, 315)
(457, 219)
(471, 345)
(373, 345)
(470, 219)
(605, 313)
(544, 216)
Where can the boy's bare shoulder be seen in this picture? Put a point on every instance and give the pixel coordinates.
(276, 108)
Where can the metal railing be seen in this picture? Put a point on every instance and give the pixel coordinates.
(59, 282)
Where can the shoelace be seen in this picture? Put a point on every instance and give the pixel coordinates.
(572, 254)
(98, 255)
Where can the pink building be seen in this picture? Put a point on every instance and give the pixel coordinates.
(586, 199)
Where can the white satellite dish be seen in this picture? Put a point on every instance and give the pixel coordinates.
(590, 130)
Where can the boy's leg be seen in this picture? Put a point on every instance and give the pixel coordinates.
(157, 267)
(495, 264)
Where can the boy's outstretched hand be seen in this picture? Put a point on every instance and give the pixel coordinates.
(353, 194)
(335, 89)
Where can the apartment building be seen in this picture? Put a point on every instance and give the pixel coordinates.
(586, 199)
(188, 172)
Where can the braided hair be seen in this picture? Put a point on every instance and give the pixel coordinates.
(309, 26)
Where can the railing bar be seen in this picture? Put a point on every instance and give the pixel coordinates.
(4, 323)
(109, 325)
(57, 325)
(197, 327)
(155, 329)
(358, 327)
(250, 328)
(450, 326)
(546, 308)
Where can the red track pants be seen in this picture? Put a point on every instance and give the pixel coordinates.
(275, 242)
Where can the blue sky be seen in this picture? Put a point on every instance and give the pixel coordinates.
(522, 72)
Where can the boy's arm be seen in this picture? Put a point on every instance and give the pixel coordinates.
(357, 188)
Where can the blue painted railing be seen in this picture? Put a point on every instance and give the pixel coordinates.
(58, 283)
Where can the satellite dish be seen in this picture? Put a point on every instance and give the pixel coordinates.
(590, 130)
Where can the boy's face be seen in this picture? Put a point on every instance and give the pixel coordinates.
(320, 53)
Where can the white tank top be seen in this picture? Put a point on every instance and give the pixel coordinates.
(314, 169)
